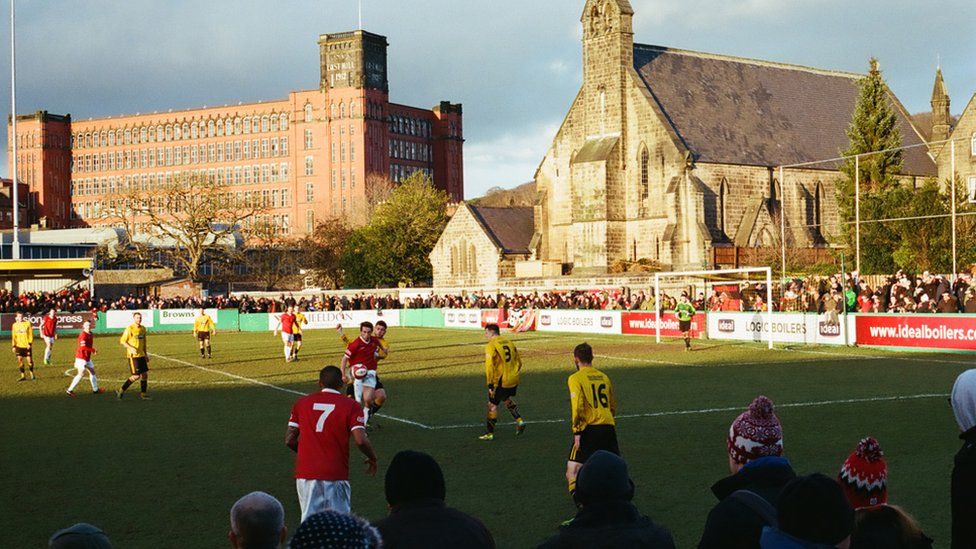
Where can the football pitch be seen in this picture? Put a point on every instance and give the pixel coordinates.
(164, 473)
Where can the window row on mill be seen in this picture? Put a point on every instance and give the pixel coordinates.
(237, 175)
(229, 151)
(117, 208)
(193, 129)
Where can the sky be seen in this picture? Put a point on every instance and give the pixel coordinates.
(515, 65)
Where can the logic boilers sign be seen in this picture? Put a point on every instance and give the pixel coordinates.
(786, 327)
(583, 321)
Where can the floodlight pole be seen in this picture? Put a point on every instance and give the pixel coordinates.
(15, 243)
(857, 214)
(657, 307)
(782, 224)
(952, 195)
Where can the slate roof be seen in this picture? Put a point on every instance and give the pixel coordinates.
(510, 228)
(741, 111)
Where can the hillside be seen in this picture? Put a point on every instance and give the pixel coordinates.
(521, 196)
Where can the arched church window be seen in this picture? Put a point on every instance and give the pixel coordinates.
(645, 158)
(723, 203)
(818, 200)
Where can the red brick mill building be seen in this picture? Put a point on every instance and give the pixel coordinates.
(306, 157)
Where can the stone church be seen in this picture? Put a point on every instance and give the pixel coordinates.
(674, 155)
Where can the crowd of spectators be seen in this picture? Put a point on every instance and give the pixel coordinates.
(898, 293)
(762, 503)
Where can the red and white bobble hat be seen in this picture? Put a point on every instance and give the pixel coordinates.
(864, 475)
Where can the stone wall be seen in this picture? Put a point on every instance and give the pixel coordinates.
(964, 135)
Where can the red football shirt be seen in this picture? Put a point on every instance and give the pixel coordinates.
(86, 343)
(50, 324)
(325, 420)
(360, 352)
(287, 321)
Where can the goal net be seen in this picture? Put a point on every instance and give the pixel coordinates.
(749, 288)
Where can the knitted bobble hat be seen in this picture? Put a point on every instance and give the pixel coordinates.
(756, 433)
(864, 475)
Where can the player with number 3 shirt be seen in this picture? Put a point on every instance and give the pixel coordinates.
(318, 431)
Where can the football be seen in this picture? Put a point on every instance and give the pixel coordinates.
(359, 371)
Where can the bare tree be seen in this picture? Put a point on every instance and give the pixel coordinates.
(377, 191)
(323, 251)
(271, 256)
(186, 218)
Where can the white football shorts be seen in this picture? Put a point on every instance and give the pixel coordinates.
(49, 340)
(315, 496)
(82, 364)
(287, 338)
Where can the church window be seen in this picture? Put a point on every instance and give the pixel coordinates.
(972, 145)
(818, 200)
(723, 204)
(644, 184)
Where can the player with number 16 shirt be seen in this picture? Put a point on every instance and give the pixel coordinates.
(593, 410)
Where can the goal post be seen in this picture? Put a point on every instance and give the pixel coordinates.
(723, 275)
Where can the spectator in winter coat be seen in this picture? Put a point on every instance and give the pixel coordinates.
(963, 489)
(607, 518)
(948, 304)
(747, 498)
(418, 517)
(813, 514)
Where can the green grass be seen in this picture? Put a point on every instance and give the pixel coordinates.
(165, 473)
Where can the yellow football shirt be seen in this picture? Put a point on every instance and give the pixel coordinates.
(502, 363)
(136, 337)
(591, 398)
(296, 327)
(22, 334)
(203, 324)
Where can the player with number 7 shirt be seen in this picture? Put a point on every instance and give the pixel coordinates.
(593, 410)
(318, 431)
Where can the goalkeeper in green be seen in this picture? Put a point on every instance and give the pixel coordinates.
(685, 312)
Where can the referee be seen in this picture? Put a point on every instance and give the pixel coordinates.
(685, 312)
(134, 341)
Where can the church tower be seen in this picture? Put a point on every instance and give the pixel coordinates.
(608, 52)
(940, 110)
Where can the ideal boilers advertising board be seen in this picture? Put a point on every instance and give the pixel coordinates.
(584, 321)
(184, 317)
(956, 332)
(462, 318)
(122, 319)
(643, 323)
(319, 320)
(786, 328)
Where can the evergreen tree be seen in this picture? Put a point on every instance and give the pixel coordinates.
(874, 127)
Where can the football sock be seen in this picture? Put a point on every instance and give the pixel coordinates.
(21, 371)
(287, 352)
(201, 351)
(297, 348)
(572, 487)
(513, 409)
(374, 407)
(93, 380)
(143, 385)
(76, 380)
(126, 385)
(208, 350)
(492, 420)
(47, 355)
(365, 414)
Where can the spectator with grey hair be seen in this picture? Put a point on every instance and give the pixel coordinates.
(257, 521)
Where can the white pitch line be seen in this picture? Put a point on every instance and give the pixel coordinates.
(727, 409)
(882, 357)
(270, 386)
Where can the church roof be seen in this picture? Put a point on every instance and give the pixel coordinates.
(510, 228)
(741, 111)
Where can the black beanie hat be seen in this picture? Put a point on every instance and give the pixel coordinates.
(604, 477)
(814, 508)
(412, 476)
